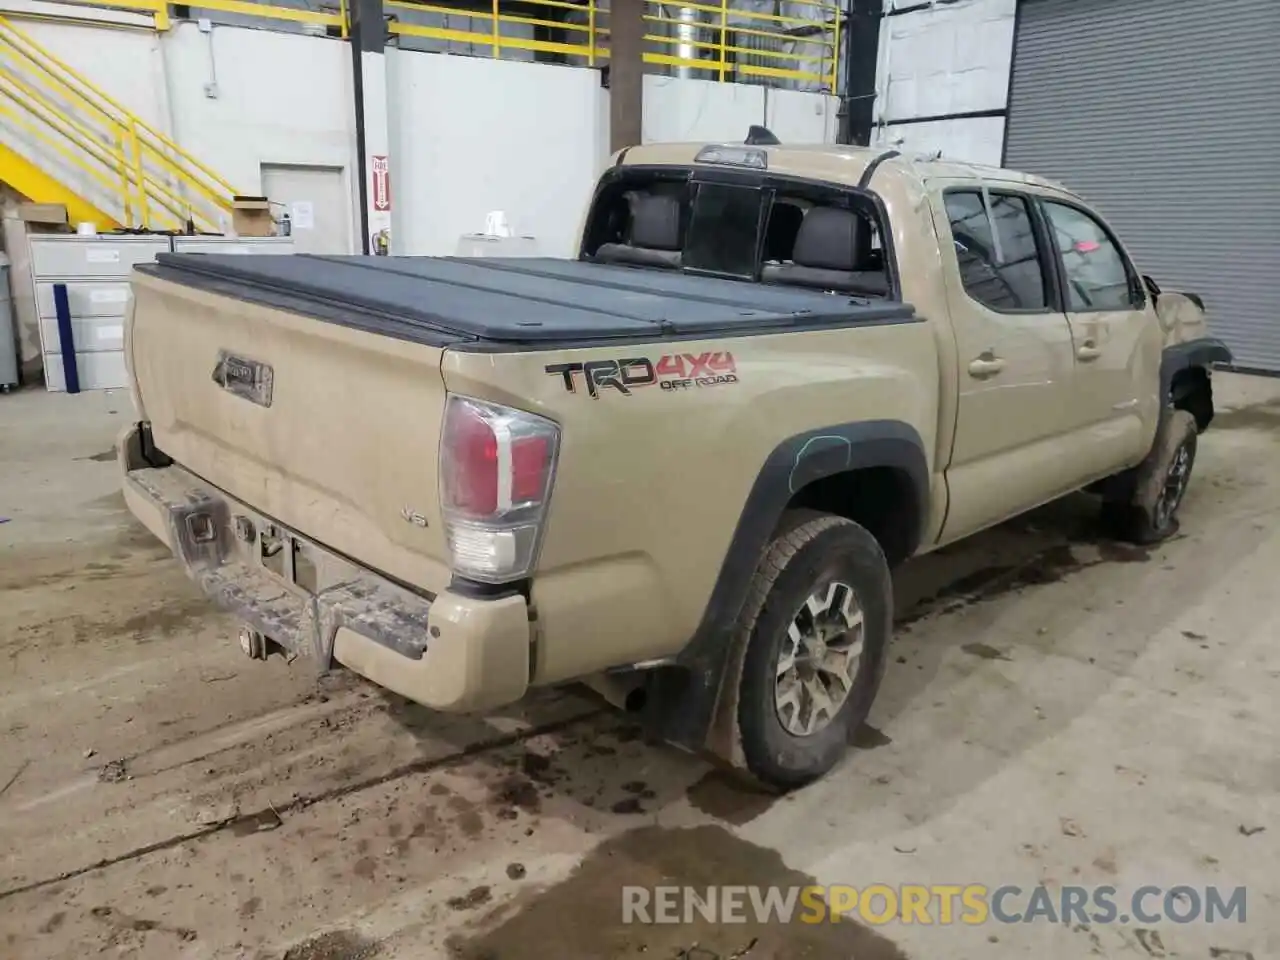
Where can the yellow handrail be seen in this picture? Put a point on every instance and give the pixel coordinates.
(290, 14)
(72, 156)
(733, 48)
(82, 147)
(89, 142)
(34, 102)
(811, 58)
(90, 92)
(153, 175)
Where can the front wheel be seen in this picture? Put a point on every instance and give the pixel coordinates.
(817, 625)
(1151, 513)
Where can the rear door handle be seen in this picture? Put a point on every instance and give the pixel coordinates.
(1088, 351)
(987, 365)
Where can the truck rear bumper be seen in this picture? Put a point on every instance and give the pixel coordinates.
(449, 652)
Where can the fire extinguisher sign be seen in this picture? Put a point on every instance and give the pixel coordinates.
(381, 183)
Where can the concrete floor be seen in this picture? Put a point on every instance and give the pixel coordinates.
(1062, 710)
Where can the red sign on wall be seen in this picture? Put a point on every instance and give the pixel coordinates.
(381, 183)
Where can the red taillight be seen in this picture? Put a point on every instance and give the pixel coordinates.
(530, 461)
(470, 447)
(494, 461)
(496, 466)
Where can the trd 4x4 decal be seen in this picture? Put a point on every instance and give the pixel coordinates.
(673, 371)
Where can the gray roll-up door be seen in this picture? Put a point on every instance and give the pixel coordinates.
(1165, 115)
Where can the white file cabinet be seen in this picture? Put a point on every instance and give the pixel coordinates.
(95, 272)
(242, 245)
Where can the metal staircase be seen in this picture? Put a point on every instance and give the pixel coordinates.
(62, 140)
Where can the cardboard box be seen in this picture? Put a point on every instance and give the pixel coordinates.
(251, 217)
(44, 214)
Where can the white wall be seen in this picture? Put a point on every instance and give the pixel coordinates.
(679, 109)
(799, 117)
(530, 139)
(279, 98)
(471, 135)
(948, 59)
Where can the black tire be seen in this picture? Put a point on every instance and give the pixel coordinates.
(1150, 515)
(803, 559)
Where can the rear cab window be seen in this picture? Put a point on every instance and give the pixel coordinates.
(741, 225)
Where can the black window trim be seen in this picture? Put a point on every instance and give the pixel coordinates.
(1135, 281)
(766, 180)
(1045, 251)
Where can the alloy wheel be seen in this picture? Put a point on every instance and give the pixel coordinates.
(819, 659)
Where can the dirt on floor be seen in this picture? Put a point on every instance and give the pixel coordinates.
(1060, 710)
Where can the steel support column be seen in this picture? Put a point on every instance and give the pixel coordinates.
(369, 81)
(626, 73)
(861, 48)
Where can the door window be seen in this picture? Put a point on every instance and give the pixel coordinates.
(1097, 276)
(995, 246)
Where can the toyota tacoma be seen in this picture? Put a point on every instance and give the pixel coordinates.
(681, 466)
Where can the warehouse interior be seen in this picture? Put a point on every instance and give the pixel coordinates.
(1063, 714)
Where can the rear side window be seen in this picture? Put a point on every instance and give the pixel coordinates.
(996, 250)
(1097, 275)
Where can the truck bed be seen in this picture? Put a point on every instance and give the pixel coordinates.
(445, 301)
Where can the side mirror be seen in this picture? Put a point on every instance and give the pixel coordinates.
(1153, 288)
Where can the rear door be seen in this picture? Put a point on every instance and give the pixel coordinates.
(1116, 333)
(1015, 416)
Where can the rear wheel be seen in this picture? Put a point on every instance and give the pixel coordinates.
(817, 624)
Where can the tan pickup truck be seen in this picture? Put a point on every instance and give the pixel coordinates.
(679, 467)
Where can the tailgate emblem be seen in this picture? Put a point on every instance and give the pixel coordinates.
(245, 378)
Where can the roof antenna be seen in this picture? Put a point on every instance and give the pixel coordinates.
(761, 136)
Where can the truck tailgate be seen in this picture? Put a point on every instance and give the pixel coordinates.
(330, 430)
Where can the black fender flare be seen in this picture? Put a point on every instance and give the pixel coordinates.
(681, 701)
(1201, 352)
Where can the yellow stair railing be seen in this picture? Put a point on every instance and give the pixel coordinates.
(63, 137)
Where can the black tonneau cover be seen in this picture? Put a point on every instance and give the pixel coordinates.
(539, 302)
